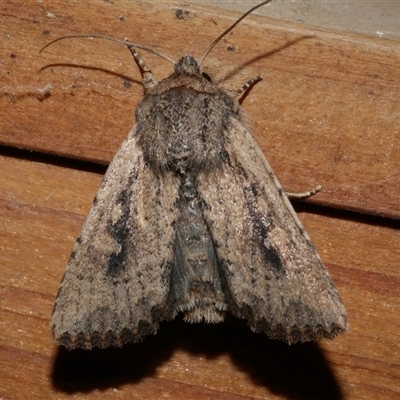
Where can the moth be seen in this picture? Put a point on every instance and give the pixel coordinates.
(191, 219)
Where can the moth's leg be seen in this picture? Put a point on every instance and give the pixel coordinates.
(148, 79)
(304, 195)
(242, 91)
(250, 83)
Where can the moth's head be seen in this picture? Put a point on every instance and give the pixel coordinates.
(187, 65)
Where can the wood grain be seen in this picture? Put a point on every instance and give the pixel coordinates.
(39, 221)
(326, 112)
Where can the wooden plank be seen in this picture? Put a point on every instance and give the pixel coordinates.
(327, 111)
(42, 207)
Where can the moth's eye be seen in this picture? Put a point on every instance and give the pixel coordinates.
(206, 76)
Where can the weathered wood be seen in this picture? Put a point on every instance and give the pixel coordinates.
(326, 112)
(42, 207)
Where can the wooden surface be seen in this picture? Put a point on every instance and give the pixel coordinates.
(327, 112)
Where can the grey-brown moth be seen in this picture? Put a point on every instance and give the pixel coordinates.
(190, 218)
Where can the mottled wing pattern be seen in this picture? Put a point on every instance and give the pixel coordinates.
(271, 272)
(116, 283)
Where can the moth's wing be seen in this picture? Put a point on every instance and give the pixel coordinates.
(116, 283)
(271, 272)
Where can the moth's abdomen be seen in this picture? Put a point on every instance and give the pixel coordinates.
(183, 130)
(196, 287)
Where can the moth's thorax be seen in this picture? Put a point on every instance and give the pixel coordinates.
(183, 121)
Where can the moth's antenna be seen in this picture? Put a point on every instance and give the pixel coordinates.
(229, 29)
(126, 42)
